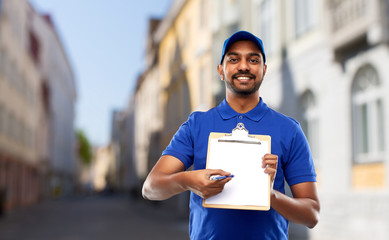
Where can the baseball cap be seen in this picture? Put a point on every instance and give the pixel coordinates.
(239, 36)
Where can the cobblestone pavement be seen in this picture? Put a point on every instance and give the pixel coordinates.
(92, 218)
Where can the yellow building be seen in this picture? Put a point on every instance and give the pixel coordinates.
(176, 82)
(185, 63)
(177, 79)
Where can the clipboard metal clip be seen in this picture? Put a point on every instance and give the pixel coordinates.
(240, 126)
(239, 135)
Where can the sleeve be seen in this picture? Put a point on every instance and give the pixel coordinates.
(181, 145)
(299, 167)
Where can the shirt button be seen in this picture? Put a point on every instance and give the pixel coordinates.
(240, 117)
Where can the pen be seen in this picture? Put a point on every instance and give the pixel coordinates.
(218, 177)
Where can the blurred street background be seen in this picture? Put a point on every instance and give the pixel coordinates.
(91, 93)
(95, 217)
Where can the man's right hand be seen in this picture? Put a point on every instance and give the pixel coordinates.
(198, 181)
(168, 178)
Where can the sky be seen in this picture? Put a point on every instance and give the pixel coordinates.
(104, 41)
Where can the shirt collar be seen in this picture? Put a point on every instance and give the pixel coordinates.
(255, 114)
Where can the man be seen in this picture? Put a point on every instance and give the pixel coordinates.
(243, 68)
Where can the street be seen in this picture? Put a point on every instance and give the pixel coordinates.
(93, 217)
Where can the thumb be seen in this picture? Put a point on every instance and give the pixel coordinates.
(218, 172)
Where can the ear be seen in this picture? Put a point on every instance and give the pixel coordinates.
(220, 71)
(264, 69)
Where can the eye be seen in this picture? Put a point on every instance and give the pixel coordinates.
(254, 60)
(232, 60)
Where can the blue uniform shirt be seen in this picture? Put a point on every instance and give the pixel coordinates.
(295, 165)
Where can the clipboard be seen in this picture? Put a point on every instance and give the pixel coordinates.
(240, 154)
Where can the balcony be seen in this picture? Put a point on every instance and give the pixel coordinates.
(356, 24)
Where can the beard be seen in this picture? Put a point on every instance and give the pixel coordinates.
(239, 90)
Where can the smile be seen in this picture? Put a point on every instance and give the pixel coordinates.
(243, 78)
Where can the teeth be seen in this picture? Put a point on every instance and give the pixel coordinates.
(243, 78)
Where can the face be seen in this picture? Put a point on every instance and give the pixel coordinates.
(243, 68)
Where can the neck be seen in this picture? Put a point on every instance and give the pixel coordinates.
(242, 104)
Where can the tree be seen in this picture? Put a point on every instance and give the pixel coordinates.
(84, 148)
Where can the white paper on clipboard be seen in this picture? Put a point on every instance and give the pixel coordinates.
(241, 155)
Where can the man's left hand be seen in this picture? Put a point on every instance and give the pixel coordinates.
(269, 162)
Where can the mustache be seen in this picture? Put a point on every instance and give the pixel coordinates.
(246, 73)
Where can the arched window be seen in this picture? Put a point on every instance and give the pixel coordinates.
(368, 116)
(310, 123)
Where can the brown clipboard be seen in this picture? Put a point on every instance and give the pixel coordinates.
(241, 154)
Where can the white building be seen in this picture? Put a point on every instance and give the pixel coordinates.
(37, 98)
(327, 67)
(21, 109)
(57, 74)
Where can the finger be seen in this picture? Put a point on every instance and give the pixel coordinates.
(218, 172)
(269, 163)
(211, 191)
(269, 159)
(272, 174)
(219, 183)
(270, 156)
(224, 173)
(270, 170)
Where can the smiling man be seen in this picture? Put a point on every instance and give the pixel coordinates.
(242, 67)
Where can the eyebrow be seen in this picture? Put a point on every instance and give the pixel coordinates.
(237, 54)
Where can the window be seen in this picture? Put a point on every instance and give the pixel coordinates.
(2, 120)
(310, 123)
(202, 17)
(202, 87)
(11, 126)
(34, 47)
(305, 16)
(186, 34)
(266, 17)
(178, 103)
(368, 116)
(6, 66)
(3, 60)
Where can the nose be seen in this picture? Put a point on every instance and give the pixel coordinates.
(243, 65)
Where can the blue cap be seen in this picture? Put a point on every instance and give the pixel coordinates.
(239, 36)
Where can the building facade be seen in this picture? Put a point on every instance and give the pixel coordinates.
(58, 81)
(37, 98)
(326, 68)
(20, 108)
(123, 145)
(148, 107)
(173, 84)
(184, 63)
